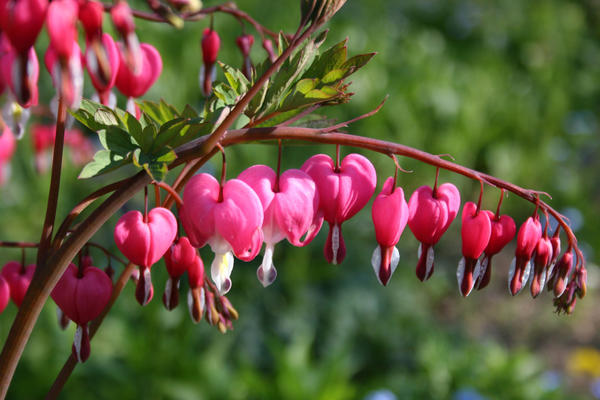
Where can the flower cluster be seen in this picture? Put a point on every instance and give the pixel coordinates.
(130, 66)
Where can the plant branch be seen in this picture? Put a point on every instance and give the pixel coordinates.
(54, 183)
(22, 245)
(71, 362)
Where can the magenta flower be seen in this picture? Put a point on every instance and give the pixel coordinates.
(290, 207)
(475, 231)
(390, 215)
(144, 240)
(22, 21)
(430, 213)
(503, 231)
(178, 259)
(122, 18)
(4, 293)
(244, 43)
(101, 51)
(541, 262)
(228, 218)
(133, 84)
(82, 294)
(561, 275)
(18, 277)
(527, 239)
(343, 191)
(210, 49)
(21, 73)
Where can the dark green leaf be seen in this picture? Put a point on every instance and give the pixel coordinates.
(116, 140)
(104, 161)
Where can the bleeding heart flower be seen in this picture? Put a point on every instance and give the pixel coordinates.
(67, 74)
(82, 294)
(18, 278)
(430, 213)
(390, 215)
(22, 21)
(343, 191)
(228, 218)
(475, 231)
(133, 84)
(7, 149)
(122, 18)
(4, 293)
(561, 276)
(178, 259)
(527, 239)
(503, 231)
(290, 207)
(210, 49)
(144, 241)
(21, 72)
(60, 21)
(102, 62)
(196, 297)
(555, 241)
(541, 262)
(244, 43)
(90, 15)
(268, 46)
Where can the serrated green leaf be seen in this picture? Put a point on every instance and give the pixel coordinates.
(236, 79)
(106, 117)
(167, 132)
(257, 101)
(134, 127)
(160, 113)
(357, 62)
(331, 59)
(306, 85)
(224, 93)
(334, 75)
(116, 140)
(189, 112)
(148, 135)
(104, 161)
(86, 119)
(282, 43)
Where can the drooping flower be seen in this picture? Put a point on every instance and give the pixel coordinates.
(18, 277)
(520, 268)
(343, 191)
(178, 259)
(196, 295)
(290, 206)
(82, 294)
(390, 215)
(21, 72)
(4, 293)
(228, 218)
(476, 230)
(541, 262)
(244, 43)
(268, 46)
(102, 62)
(7, 149)
(210, 49)
(144, 240)
(133, 84)
(122, 18)
(561, 276)
(430, 213)
(21, 21)
(503, 231)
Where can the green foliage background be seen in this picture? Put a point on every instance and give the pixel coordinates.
(506, 87)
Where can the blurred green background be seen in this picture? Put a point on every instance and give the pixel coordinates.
(507, 87)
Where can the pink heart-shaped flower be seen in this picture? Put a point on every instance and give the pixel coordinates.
(21, 73)
(145, 242)
(82, 295)
(60, 23)
(90, 15)
(102, 80)
(18, 279)
(429, 216)
(21, 21)
(390, 215)
(135, 85)
(180, 256)
(541, 262)
(342, 193)
(528, 237)
(4, 293)
(476, 230)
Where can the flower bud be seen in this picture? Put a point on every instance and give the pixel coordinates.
(520, 268)
(541, 261)
(563, 268)
(503, 231)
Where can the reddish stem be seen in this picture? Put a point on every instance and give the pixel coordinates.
(497, 216)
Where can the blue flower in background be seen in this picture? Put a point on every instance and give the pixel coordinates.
(381, 394)
(595, 388)
(468, 394)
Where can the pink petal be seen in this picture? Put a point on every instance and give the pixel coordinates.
(200, 196)
(390, 214)
(93, 293)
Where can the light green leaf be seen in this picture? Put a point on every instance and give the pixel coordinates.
(104, 161)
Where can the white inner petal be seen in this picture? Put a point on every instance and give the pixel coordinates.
(335, 243)
(77, 342)
(429, 261)
(460, 273)
(267, 273)
(220, 271)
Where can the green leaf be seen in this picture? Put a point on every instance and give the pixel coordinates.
(167, 132)
(116, 140)
(86, 119)
(104, 161)
(148, 135)
(331, 59)
(156, 170)
(334, 75)
(189, 112)
(106, 117)
(159, 112)
(134, 127)
(236, 79)
(306, 85)
(257, 101)
(357, 62)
